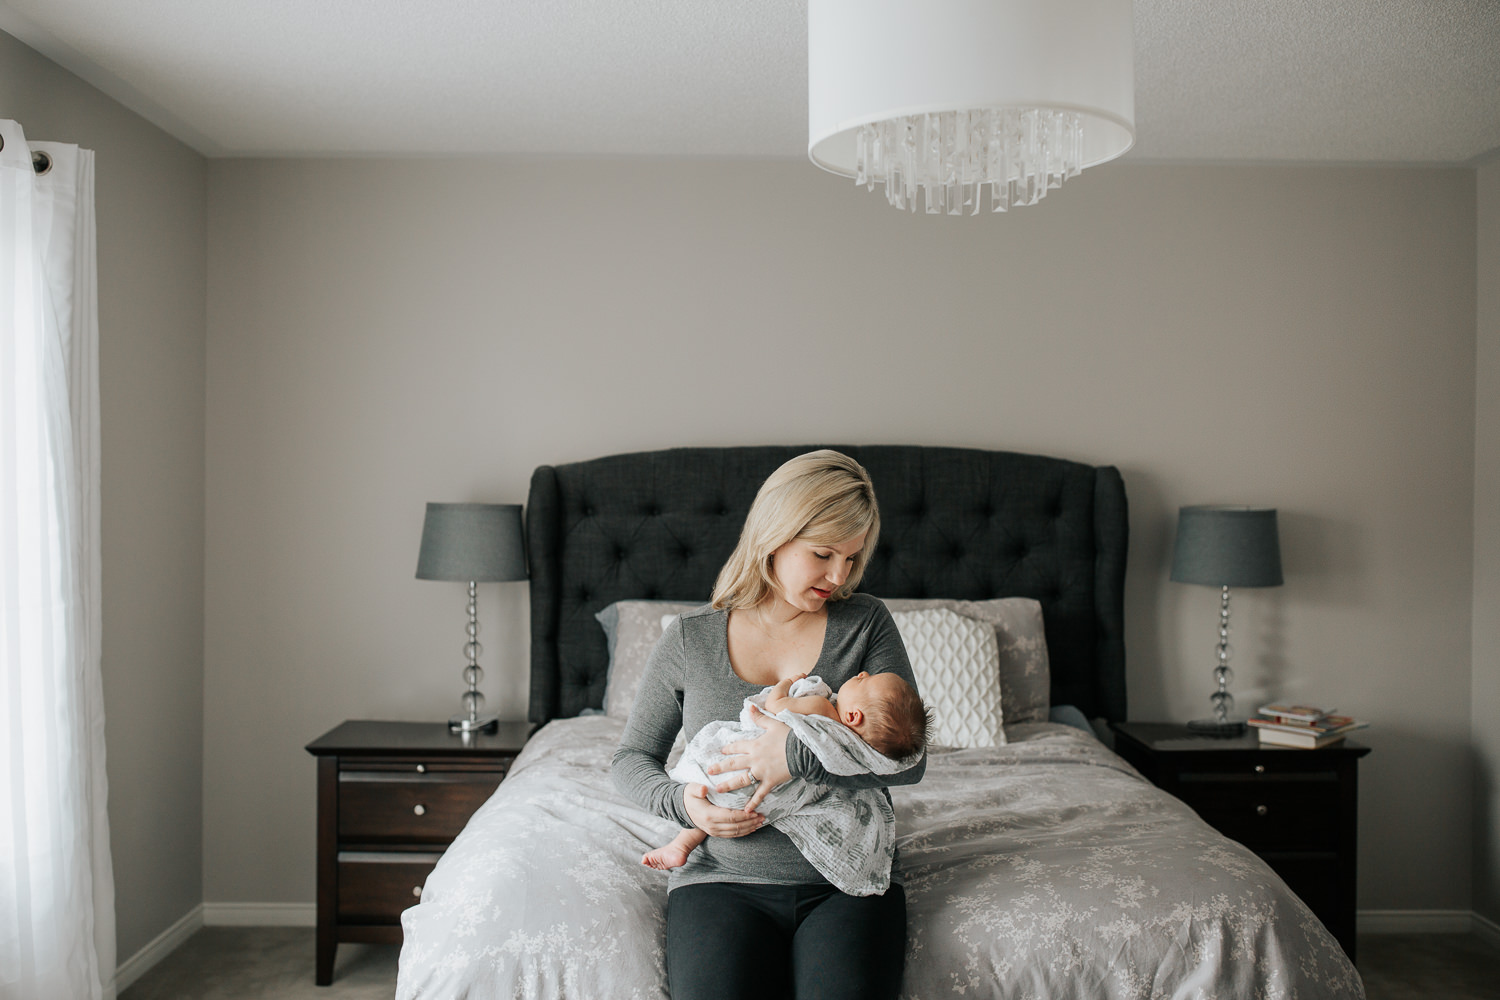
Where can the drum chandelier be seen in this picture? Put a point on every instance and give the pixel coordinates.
(949, 97)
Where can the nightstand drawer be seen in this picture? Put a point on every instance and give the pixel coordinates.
(390, 806)
(391, 798)
(1267, 815)
(375, 887)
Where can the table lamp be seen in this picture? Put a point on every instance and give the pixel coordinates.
(1223, 546)
(477, 543)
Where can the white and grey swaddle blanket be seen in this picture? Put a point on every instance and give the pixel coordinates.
(849, 835)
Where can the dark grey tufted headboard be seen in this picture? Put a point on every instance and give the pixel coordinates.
(955, 522)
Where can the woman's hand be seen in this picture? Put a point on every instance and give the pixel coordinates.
(764, 759)
(717, 821)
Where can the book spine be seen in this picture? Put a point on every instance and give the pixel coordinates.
(1298, 741)
(1288, 739)
(1295, 713)
(1331, 725)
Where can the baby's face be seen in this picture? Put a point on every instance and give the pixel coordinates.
(863, 690)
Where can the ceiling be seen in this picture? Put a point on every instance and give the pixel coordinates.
(1346, 81)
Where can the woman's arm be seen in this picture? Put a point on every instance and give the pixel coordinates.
(803, 763)
(639, 769)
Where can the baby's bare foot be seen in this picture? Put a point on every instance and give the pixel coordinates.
(665, 858)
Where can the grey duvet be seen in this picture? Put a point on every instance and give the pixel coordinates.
(1043, 868)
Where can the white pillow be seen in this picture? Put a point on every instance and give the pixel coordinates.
(1025, 675)
(632, 629)
(956, 661)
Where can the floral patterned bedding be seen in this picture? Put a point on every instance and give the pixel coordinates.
(1043, 868)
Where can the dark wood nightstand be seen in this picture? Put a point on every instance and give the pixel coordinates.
(391, 797)
(1297, 809)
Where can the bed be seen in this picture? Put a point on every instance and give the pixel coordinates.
(1046, 867)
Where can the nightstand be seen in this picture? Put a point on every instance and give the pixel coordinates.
(1297, 809)
(391, 797)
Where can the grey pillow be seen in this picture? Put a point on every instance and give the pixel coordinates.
(631, 630)
(1025, 675)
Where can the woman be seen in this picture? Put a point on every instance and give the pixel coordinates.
(748, 916)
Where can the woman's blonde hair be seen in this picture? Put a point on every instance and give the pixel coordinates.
(824, 497)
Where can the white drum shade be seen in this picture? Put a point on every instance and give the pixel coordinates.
(874, 60)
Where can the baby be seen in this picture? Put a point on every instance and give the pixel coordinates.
(882, 709)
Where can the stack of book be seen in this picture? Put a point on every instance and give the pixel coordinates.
(1302, 726)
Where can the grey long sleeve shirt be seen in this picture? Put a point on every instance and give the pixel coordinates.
(689, 683)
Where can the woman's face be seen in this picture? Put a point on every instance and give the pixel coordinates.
(806, 573)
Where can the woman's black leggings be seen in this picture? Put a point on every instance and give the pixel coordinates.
(730, 940)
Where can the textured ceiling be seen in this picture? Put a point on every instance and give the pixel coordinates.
(1403, 81)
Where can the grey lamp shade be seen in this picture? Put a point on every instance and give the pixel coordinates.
(1227, 547)
(472, 541)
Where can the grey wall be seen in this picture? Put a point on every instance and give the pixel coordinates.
(1486, 701)
(382, 334)
(150, 196)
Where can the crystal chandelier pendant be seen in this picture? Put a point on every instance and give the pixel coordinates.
(939, 100)
(951, 157)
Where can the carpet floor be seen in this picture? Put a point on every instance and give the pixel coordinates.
(251, 963)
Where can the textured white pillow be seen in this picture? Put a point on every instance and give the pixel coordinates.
(1025, 674)
(956, 661)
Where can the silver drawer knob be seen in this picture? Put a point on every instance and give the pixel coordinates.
(420, 810)
(1261, 810)
(421, 768)
(416, 890)
(1259, 769)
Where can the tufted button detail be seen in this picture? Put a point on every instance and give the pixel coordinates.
(619, 554)
(588, 511)
(723, 510)
(653, 594)
(653, 511)
(956, 553)
(583, 595)
(684, 553)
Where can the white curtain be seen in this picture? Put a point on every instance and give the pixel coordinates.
(57, 925)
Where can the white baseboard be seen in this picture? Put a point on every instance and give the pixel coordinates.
(260, 914)
(1416, 921)
(159, 948)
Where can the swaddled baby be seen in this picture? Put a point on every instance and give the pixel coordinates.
(876, 723)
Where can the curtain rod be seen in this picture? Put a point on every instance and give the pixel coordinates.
(40, 161)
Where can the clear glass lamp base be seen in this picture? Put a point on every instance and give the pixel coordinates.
(481, 724)
(1213, 727)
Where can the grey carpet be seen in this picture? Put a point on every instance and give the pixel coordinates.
(251, 963)
(1428, 967)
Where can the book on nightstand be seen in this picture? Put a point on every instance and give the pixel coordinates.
(1302, 726)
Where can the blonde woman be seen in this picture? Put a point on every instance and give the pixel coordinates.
(748, 915)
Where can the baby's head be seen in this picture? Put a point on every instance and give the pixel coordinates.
(886, 713)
